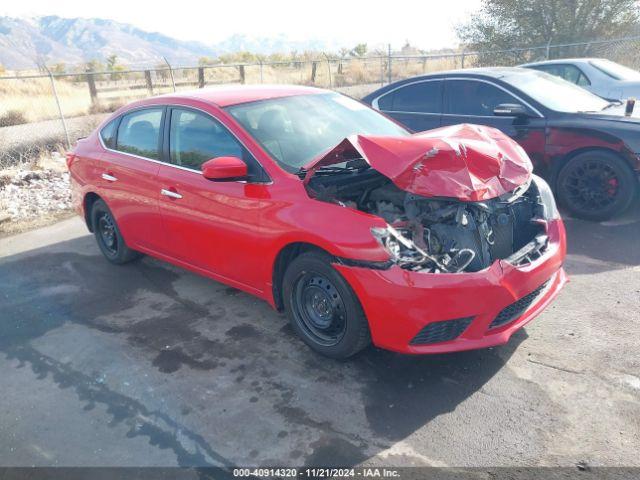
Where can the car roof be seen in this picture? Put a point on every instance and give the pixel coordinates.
(560, 61)
(227, 95)
(494, 72)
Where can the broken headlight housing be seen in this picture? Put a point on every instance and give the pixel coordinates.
(394, 243)
(550, 210)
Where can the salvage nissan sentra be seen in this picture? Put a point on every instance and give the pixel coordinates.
(360, 231)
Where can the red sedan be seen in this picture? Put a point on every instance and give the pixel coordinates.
(360, 231)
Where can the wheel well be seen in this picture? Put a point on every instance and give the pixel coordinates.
(89, 200)
(561, 162)
(283, 259)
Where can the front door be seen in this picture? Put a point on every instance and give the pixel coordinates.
(210, 225)
(473, 101)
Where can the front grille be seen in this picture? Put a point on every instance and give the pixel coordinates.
(517, 308)
(441, 331)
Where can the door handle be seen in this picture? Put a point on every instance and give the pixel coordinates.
(170, 194)
(108, 177)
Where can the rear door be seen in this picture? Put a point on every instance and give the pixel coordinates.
(416, 105)
(468, 100)
(128, 175)
(210, 225)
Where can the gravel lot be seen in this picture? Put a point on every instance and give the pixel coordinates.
(147, 364)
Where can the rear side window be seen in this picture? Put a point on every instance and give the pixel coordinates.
(139, 133)
(422, 97)
(570, 73)
(108, 134)
(196, 137)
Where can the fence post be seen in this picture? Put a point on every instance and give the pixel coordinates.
(173, 82)
(328, 70)
(261, 78)
(55, 94)
(147, 79)
(314, 67)
(242, 76)
(548, 48)
(462, 61)
(381, 71)
(200, 77)
(389, 57)
(91, 81)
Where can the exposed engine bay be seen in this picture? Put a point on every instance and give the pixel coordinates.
(439, 235)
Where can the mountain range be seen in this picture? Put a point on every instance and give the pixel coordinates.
(27, 42)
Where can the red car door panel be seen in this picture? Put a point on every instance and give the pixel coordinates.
(127, 176)
(130, 187)
(212, 225)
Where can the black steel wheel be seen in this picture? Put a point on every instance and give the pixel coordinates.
(108, 235)
(107, 232)
(596, 185)
(322, 308)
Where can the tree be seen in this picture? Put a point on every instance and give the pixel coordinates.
(58, 68)
(206, 61)
(112, 60)
(360, 50)
(506, 24)
(93, 66)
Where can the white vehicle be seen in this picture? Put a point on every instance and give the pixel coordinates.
(605, 78)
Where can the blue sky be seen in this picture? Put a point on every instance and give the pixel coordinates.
(427, 23)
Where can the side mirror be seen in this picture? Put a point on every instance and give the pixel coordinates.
(224, 168)
(510, 110)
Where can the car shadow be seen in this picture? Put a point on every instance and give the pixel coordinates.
(337, 413)
(600, 246)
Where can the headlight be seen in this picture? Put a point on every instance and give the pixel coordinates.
(390, 239)
(550, 210)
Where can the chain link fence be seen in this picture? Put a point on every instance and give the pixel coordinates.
(44, 110)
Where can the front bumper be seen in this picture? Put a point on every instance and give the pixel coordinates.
(400, 303)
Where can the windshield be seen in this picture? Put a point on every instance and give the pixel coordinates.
(615, 70)
(295, 130)
(554, 92)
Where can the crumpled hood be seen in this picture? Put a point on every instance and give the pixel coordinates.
(466, 162)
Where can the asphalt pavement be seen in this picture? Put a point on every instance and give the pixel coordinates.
(147, 364)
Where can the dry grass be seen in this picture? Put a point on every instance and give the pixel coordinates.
(13, 228)
(12, 117)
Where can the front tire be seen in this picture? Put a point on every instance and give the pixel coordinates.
(596, 185)
(322, 308)
(108, 235)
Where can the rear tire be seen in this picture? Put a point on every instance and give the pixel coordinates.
(322, 308)
(596, 185)
(108, 235)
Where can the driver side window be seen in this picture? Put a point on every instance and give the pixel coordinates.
(196, 137)
(473, 98)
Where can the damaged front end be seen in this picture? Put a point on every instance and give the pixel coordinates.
(454, 199)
